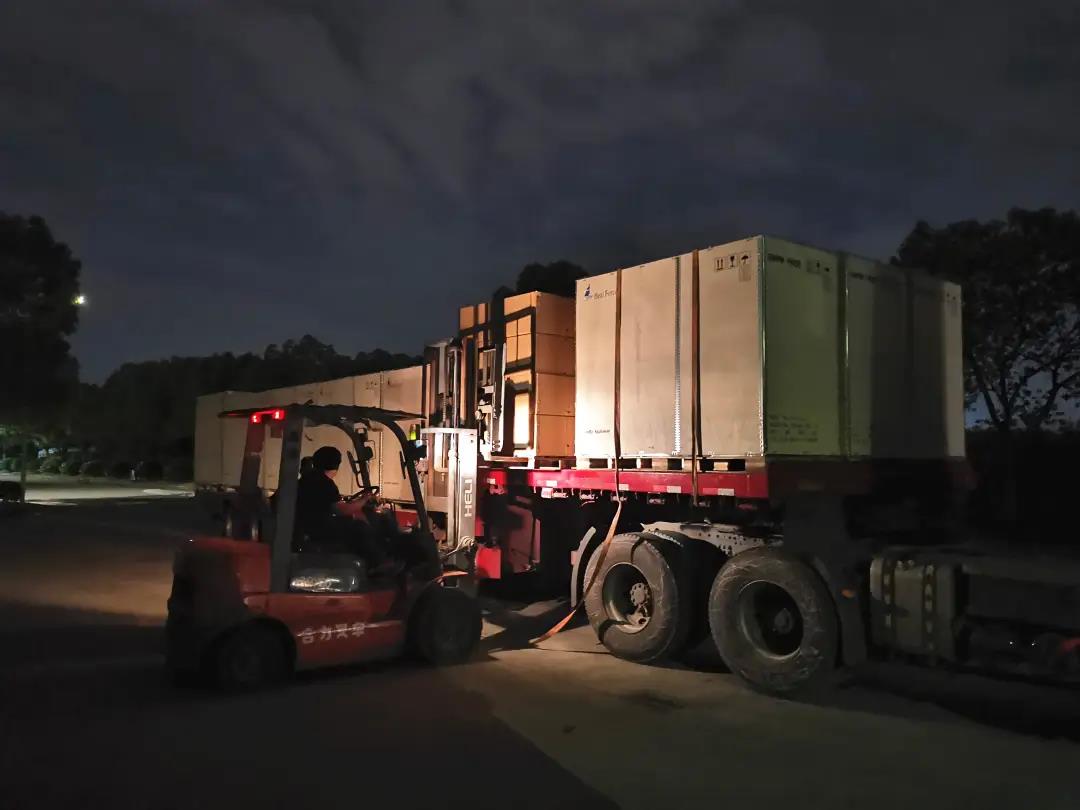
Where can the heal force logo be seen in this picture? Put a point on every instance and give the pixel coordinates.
(589, 295)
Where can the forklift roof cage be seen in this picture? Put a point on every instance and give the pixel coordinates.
(293, 419)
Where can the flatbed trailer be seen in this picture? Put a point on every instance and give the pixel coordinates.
(768, 449)
(844, 565)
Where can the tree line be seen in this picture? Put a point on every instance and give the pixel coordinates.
(1021, 294)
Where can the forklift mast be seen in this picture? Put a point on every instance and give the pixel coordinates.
(450, 489)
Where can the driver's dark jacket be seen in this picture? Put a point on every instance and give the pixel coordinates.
(315, 498)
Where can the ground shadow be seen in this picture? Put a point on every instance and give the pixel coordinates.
(89, 691)
(888, 689)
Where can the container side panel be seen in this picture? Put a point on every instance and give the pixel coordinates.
(877, 359)
(595, 354)
(730, 351)
(395, 485)
(647, 385)
(271, 456)
(937, 391)
(927, 393)
(336, 392)
(402, 389)
(208, 439)
(955, 434)
(802, 350)
(367, 390)
(234, 436)
(684, 363)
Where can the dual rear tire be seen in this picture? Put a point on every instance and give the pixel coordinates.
(640, 603)
(770, 615)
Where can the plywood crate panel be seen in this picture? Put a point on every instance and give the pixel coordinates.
(801, 352)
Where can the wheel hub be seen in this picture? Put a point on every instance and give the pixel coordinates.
(783, 622)
(770, 619)
(628, 599)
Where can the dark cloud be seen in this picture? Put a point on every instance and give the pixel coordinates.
(236, 173)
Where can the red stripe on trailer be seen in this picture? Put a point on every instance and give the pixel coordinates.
(741, 484)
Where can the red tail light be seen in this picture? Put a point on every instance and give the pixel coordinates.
(276, 415)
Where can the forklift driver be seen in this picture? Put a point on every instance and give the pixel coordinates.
(322, 516)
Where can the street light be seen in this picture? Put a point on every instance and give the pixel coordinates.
(79, 300)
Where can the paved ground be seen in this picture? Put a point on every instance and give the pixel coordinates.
(87, 720)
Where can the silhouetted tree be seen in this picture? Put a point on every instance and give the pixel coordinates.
(1021, 288)
(148, 409)
(556, 277)
(1021, 293)
(39, 282)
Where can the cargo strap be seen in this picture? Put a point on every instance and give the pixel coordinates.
(695, 377)
(445, 575)
(588, 585)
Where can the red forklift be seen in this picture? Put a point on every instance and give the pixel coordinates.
(252, 607)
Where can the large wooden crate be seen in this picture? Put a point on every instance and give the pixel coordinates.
(785, 349)
(527, 359)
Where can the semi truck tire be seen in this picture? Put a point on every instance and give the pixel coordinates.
(773, 622)
(640, 602)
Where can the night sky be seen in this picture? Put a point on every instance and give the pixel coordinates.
(237, 173)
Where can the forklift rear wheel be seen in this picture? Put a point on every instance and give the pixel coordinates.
(773, 622)
(249, 658)
(640, 603)
(446, 626)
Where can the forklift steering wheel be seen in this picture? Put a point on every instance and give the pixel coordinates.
(374, 491)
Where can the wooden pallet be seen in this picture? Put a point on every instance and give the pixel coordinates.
(663, 464)
(536, 462)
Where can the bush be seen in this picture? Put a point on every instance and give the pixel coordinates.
(149, 470)
(179, 469)
(93, 467)
(51, 465)
(120, 469)
(71, 467)
(5, 465)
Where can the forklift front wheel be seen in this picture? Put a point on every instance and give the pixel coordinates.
(249, 658)
(445, 626)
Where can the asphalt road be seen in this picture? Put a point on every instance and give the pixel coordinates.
(88, 720)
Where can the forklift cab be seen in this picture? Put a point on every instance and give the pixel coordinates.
(252, 607)
(295, 563)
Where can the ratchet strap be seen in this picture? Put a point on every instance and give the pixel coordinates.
(448, 574)
(616, 437)
(588, 585)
